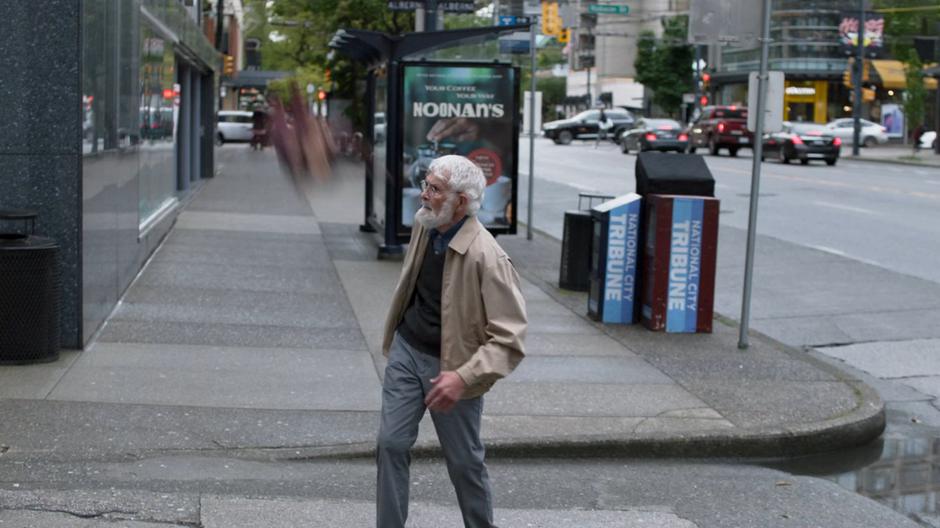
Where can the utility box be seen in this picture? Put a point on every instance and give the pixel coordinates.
(680, 261)
(613, 294)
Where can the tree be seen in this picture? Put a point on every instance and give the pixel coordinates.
(664, 65)
(553, 94)
(913, 18)
(915, 94)
(303, 32)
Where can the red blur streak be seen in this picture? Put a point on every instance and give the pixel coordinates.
(721, 127)
(665, 127)
(683, 137)
(837, 142)
(796, 140)
(651, 137)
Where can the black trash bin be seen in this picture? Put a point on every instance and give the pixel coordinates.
(29, 293)
(575, 269)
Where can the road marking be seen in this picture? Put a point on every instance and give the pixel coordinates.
(848, 208)
(829, 250)
(840, 253)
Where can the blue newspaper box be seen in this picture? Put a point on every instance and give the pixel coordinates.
(613, 292)
(680, 261)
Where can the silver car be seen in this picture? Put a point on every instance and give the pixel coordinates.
(234, 125)
(871, 134)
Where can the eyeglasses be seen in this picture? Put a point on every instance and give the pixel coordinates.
(431, 188)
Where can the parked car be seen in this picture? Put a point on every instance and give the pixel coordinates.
(654, 134)
(234, 125)
(928, 140)
(719, 127)
(871, 134)
(802, 141)
(586, 125)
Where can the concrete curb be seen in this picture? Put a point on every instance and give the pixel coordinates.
(857, 428)
(894, 161)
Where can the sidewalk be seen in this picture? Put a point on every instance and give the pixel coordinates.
(898, 154)
(255, 311)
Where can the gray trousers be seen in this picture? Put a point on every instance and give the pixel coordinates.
(407, 382)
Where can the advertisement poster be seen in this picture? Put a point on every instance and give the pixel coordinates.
(892, 118)
(463, 109)
(874, 33)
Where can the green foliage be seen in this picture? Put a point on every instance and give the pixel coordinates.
(553, 93)
(915, 94)
(901, 27)
(664, 66)
(303, 32)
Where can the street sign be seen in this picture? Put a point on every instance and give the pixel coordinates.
(506, 20)
(773, 108)
(450, 6)
(732, 22)
(609, 9)
(515, 44)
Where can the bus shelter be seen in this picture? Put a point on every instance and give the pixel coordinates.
(420, 108)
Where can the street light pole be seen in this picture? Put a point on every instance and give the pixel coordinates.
(859, 71)
(219, 18)
(528, 226)
(755, 180)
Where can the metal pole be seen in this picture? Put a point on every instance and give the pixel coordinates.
(528, 225)
(755, 180)
(219, 18)
(859, 71)
(698, 80)
(430, 15)
(590, 102)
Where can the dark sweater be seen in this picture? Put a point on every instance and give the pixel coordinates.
(421, 324)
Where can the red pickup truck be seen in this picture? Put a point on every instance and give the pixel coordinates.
(719, 127)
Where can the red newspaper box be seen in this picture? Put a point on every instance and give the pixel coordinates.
(679, 272)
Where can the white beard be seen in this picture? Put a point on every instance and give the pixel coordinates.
(426, 217)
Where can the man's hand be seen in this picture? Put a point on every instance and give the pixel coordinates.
(448, 388)
(457, 128)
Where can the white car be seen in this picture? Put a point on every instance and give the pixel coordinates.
(928, 139)
(234, 125)
(871, 134)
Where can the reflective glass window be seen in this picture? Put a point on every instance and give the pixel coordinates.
(159, 116)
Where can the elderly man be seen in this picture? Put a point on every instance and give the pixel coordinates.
(455, 326)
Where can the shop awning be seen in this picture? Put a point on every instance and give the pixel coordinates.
(891, 73)
(887, 74)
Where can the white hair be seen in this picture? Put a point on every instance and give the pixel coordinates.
(462, 176)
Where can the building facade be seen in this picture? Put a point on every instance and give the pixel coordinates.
(109, 130)
(806, 47)
(603, 50)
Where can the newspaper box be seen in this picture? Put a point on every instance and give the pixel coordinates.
(679, 273)
(613, 294)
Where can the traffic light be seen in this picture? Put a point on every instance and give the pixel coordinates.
(321, 95)
(565, 35)
(551, 21)
(228, 65)
(703, 100)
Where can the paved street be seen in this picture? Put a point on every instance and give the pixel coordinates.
(237, 385)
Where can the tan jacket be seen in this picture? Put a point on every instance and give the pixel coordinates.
(483, 317)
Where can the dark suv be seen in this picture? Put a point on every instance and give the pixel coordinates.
(719, 127)
(585, 126)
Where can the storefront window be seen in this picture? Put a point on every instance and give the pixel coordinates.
(159, 114)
